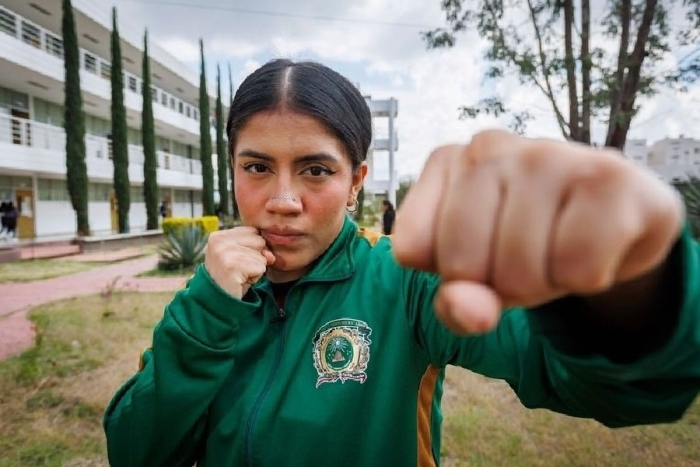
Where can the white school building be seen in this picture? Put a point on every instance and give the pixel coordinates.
(32, 139)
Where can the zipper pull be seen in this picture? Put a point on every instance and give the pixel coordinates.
(281, 315)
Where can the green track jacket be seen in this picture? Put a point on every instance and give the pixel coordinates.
(350, 372)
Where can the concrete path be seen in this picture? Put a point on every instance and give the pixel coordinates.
(16, 331)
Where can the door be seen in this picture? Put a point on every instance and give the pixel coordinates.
(24, 198)
(169, 205)
(21, 130)
(113, 215)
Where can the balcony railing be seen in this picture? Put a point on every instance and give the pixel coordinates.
(34, 35)
(37, 135)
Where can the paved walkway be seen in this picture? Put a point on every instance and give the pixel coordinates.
(17, 332)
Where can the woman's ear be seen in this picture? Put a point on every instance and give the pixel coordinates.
(358, 178)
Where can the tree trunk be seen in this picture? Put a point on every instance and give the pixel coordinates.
(616, 86)
(618, 136)
(571, 70)
(585, 72)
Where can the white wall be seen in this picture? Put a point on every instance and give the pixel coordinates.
(185, 210)
(137, 216)
(54, 218)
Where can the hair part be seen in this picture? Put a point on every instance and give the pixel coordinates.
(309, 88)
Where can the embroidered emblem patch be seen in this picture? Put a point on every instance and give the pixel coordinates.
(341, 351)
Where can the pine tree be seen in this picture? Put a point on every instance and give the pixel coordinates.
(120, 148)
(74, 121)
(222, 153)
(234, 205)
(150, 163)
(205, 141)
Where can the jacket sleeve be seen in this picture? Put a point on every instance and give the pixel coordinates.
(158, 417)
(539, 361)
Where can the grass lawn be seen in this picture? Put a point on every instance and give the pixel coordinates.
(53, 396)
(38, 269)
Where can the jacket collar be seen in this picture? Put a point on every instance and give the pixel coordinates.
(336, 263)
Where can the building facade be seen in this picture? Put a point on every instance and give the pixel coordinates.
(32, 139)
(673, 159)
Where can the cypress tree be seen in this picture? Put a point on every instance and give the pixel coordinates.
(205, 141)
(359, 214)
(234, 205)
(221, 152)
(150, 162)
(74, 122)
(120, 148)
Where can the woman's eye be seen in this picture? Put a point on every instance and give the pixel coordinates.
(318, 171)
(255, 168)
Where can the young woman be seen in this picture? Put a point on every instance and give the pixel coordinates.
(305, 341)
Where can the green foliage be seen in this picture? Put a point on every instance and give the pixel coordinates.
(690, 191)
(183, 248)
(150, 162)
(74, 122)
(205, 140)
(234, 205)
(222, 153)
(552, 47)
(120, 148)
(404, 186)
(359, 214)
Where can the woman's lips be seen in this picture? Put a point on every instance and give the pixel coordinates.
(281, 237)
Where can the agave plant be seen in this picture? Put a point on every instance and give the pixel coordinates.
(690, 190)
(183, 248)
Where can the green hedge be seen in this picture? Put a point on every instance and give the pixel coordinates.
(208, 224)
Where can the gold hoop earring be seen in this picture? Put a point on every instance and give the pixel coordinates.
(355, 206)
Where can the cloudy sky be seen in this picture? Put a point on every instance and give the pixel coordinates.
(377, 44)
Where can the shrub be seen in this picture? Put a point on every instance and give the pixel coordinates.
(183, 248)
(207, 224)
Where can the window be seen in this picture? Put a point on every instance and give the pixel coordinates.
(195, 115)
(172, 103)
(133, 85)
(181, 196)
(106, 70)
(31, 35)
(90, 63)
(8, 23)
(99, 191)
(154, 94)
(164, 99)
(53, 190)
(188, 111)
(54, 46)
(137, 194)
(180, 107)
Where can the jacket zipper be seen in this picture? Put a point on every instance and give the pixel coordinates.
(280, 319)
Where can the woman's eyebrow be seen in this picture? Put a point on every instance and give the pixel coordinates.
(317, 157)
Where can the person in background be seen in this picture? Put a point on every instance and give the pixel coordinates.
(10, 218)
(4, 206)
(388, 216)
(304, 340)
